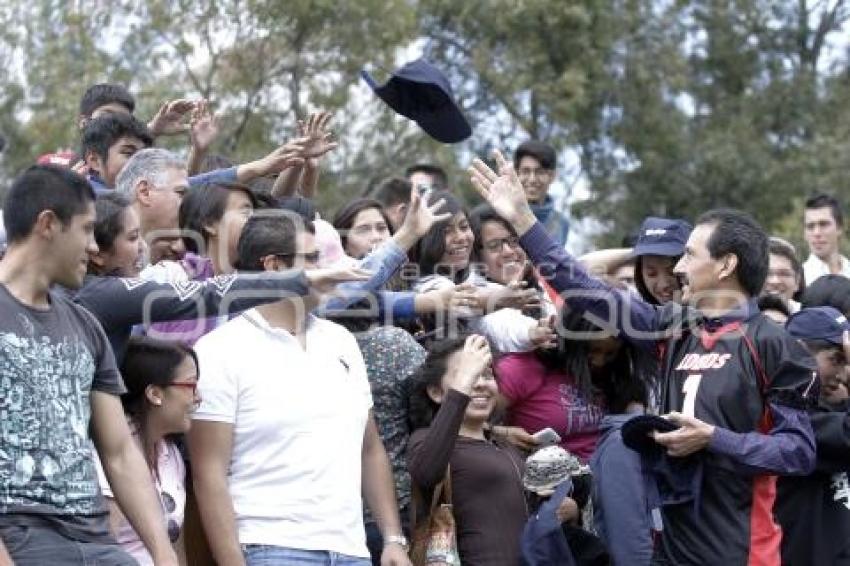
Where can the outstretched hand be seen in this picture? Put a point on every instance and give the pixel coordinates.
(203, 127)
(318, 139)
(421, 216)
(503, 191)
(169, 119)
(324, 280)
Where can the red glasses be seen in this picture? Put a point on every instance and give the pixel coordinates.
(193, 385)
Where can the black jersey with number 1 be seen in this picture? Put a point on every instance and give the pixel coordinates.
(726, 372)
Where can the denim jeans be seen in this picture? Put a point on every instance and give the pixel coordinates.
(38, 546)
(267, 555)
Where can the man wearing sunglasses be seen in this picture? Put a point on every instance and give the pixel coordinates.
(284, 433)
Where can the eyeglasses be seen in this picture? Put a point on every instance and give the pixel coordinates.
(782, 273)
(188, 385)
(496, 245)
(527, 173)
(311, 257)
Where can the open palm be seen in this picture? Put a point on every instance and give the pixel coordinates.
(421, 216)
(503, 191)
(319, 139)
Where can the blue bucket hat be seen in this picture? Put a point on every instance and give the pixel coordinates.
(421, 92)
(818, 323)
(662, 236)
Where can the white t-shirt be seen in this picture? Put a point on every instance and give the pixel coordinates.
(815, 267)
(299, 417)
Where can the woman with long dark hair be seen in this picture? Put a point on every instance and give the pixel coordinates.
(503, 264)
(162, 381)
(362, 225)
(453, 397)
(567, 388)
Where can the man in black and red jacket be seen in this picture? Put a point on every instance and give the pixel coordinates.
(734, 382)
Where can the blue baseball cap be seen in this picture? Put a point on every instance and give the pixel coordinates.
(421, 92)
(662, 236)
(818, 323)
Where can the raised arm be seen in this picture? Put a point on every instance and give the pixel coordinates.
(634, 318)
(430, 450)
(203, 131)
(318, 141)
(385, 261)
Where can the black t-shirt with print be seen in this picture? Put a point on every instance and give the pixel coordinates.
(50, 361)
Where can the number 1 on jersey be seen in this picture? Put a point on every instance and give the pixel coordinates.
(690, 390)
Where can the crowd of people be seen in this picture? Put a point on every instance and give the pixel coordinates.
(197, 368)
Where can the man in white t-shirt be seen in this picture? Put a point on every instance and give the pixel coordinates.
(823, 229)
(285, 428)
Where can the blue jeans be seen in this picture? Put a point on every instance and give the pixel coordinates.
(267, 555)
(37, 546)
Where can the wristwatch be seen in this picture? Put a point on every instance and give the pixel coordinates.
(400, 540)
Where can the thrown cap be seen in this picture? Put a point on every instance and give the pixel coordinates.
(818, 323)
(421, 92)
(547, 468)
(662, 236)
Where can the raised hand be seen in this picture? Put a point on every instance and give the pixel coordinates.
(287, 155)
(513, 296)
(203, 127)
(475, 359)
(169, 120)
(319, 140)
(421, 216)
(503, 191)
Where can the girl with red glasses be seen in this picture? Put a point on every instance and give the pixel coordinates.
(161, 380)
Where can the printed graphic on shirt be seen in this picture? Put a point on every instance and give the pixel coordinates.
(45, 452)
(581, 415)
(694, 362)
(185, 289)
(841, 487)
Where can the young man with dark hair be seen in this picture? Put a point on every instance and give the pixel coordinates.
(394, 194)
(425, 176)
(535, 163)
(814, 511)
(823, 224)
(734, 382)
(282, 456)
(107, 98)
(59, 391)
(107, 143)
(104, 98)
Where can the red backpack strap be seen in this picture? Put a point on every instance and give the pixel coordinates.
(766, 422)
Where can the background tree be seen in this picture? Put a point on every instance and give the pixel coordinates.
(672, 107)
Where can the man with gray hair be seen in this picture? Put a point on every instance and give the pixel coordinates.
(156, 179)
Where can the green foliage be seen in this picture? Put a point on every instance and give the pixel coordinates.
(674, 106)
